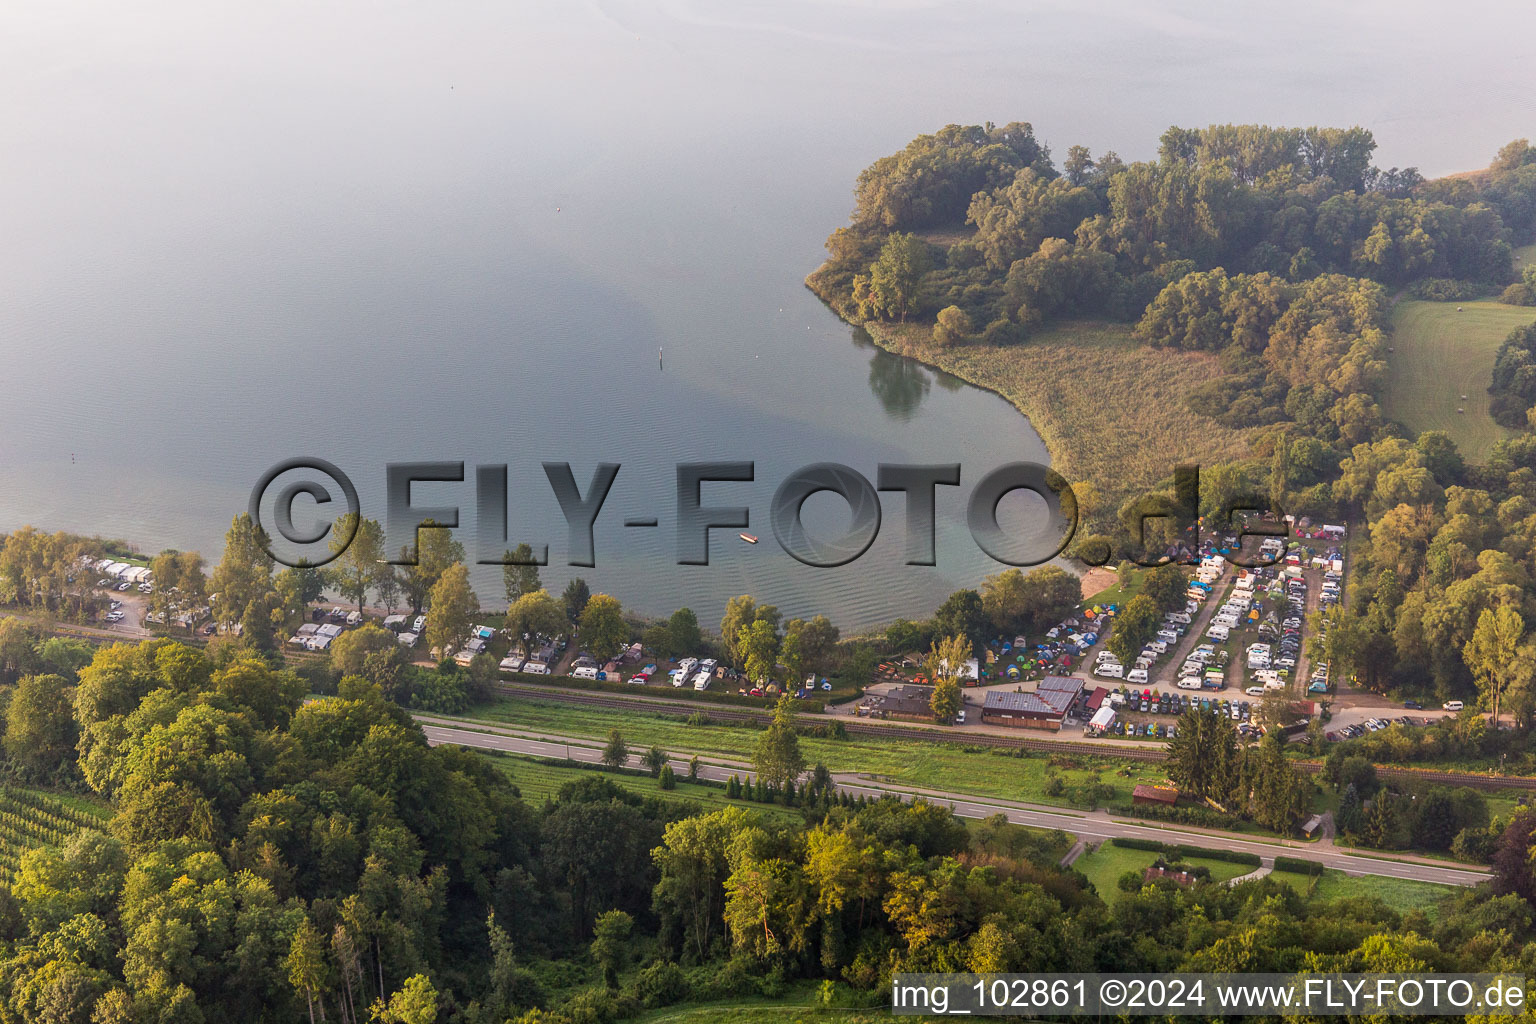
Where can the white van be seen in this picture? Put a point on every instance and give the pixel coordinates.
(584, 672)
(1453, 705)
(1255, 691)
(1137, 676)
(1112, 670)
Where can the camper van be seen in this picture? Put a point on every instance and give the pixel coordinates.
(1110, 670)
(1218, 633)
(584, 672)
(701, 680)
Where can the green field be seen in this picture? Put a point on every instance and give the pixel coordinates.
(1439, 356)
(537, 780)
(1401, 894)
(1105, 865)
(980, 771)
(35, 817)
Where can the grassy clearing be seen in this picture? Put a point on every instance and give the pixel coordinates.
(951, 768)
(537, 780)
(1110, 410)
(1401, 894)
(1105, 865)
(1441, 355)
(1524, 257)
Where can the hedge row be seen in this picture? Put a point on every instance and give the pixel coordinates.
(678, 693)
(1230, 856)
(1181, 814)
(1131, 843)
(1299, 866)
(1185, 850)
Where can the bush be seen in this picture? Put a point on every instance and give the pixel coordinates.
(1229, 856)
(662, 984)
(737, 977)
(1520, 294)
(954, 327)
(1446, 289)
(1298, 866)
(1476, 845)
(666, 777)
(1131, 843)
(598, 1006)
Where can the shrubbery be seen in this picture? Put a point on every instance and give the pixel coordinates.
(1448, 289)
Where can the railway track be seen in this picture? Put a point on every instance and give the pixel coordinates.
(857, 727)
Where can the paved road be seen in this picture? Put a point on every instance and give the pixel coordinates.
(1091, 826)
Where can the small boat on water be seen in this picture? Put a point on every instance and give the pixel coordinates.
(747, 537)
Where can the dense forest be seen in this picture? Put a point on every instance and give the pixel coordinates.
(269, 859)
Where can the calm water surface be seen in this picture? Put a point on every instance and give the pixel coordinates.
(230, 234)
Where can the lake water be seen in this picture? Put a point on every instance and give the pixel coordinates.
(380, 232)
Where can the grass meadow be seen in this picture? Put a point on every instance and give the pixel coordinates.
(1441, 354)
(1110, 410)
(977, 771)
(1401, 894)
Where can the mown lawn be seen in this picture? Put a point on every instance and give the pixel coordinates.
(1105, 865)
(1401, 894)
(1110, 409)
(1439, 356)
(978, 771)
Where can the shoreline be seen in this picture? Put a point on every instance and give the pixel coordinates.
(1102, 433)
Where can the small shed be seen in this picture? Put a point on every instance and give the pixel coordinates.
(1157, 796)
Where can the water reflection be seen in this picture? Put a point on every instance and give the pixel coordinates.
(900, 384)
